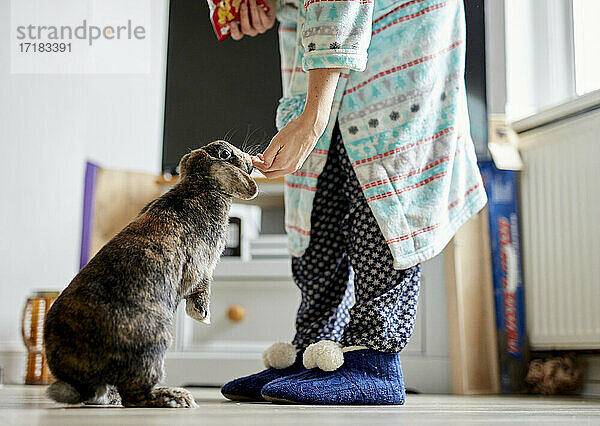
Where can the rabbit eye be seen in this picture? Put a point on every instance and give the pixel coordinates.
(224, 154)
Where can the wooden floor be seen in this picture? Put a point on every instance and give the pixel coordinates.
(22, 405)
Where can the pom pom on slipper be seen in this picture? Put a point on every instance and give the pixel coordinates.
(279, 355)
(325, 354)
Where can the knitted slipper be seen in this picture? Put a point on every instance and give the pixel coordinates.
(365, 377)
(281, 360)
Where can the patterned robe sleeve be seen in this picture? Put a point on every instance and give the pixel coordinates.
(287, 15)
(336, 34)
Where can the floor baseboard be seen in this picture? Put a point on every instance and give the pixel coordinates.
(13, 357)
(591, 378)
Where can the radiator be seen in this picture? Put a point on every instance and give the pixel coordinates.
(560, 202)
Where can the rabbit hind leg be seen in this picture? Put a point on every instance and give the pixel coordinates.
(105, 395)
(140, 390)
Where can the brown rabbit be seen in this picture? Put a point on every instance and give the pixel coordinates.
(110, 328)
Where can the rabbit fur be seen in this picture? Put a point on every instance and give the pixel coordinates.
(107, 333)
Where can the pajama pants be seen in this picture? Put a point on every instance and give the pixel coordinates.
(351, 292)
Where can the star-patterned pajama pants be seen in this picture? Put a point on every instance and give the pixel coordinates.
(351, 292)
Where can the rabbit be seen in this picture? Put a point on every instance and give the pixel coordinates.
(107, 333)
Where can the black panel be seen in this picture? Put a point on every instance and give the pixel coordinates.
(214, 88)
(475, 75)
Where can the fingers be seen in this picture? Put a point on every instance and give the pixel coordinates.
(235, 31)
(280, 167)
(271, 17)
(253, 20)
(245, 21)
(275, 174)
(257, 17)
(269, 155)
(282, 163)
(258, 162)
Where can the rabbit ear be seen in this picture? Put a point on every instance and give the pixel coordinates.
(183, 164)
(235, 182)
(187, 166)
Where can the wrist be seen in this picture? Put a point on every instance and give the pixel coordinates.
(315, 118)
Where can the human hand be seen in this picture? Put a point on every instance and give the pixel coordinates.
(253, 19)
(290, 147)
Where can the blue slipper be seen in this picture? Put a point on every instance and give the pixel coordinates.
(248, 388)
(366, 377)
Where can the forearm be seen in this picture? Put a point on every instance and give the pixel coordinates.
(322, 83)
(294, 143)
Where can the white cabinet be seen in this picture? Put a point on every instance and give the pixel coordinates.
(213, 354)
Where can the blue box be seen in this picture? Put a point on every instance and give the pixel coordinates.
(509, 299)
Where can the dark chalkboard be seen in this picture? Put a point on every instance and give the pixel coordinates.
(215, 89)
(475, 76)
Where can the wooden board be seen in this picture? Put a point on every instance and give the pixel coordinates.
(471, 322)
(118, 198)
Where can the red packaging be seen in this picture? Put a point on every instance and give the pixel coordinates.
(222, 12)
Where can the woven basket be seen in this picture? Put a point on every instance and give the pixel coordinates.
(32, 330)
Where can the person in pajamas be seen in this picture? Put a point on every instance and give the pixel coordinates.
(380, 172)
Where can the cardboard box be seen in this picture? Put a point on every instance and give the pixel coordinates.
(509, 299)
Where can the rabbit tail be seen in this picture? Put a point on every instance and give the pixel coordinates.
(63, 392)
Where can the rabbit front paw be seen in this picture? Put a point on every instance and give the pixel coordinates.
(170, 398)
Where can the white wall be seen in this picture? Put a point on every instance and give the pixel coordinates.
(49, 126)
(495, 56)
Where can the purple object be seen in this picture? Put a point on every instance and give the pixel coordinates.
(91, 170)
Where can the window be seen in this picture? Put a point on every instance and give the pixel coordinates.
(552, 54)
(586, 35)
